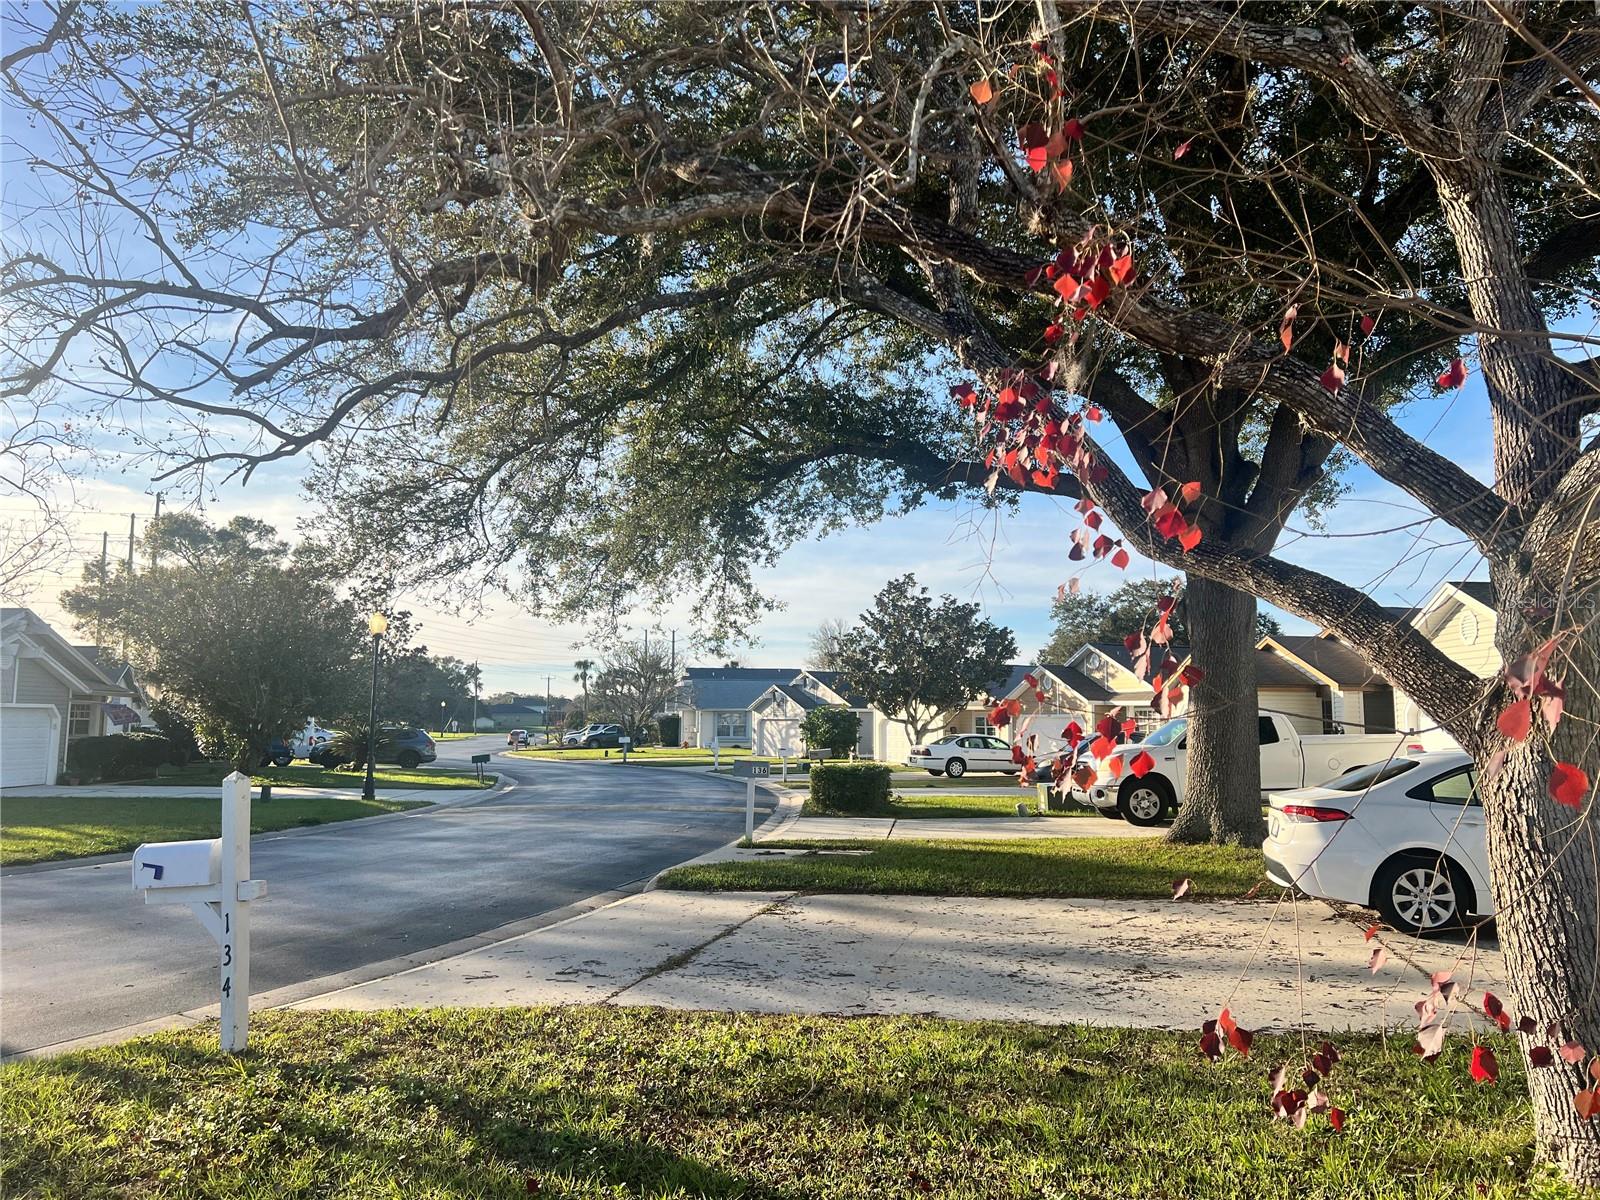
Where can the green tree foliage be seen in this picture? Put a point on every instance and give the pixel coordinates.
(836, 730)
(917, 659)
(1111, 616)
(413, 684)
(632, 686)
(239, 642)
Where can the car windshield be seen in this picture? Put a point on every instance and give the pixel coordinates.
(1360, 779)
(1169, 733)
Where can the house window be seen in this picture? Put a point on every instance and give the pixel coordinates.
(1149, 720)
(980, 724)
(733, 725)
(80, 719)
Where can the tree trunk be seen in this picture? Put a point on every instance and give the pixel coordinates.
(1542, 857)
(1222, 799)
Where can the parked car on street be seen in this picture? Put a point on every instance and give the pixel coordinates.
(1289, 759)
(592, 737)
(957, 753)
(1405, 837)
(279, 753)
(517, 739)
(402, 745)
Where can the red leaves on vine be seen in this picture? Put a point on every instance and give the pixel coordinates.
(1454, 376)
(1190, 492)
(1000, 715)
(1054, 332)
(1142, 764)
(1333, 377)
(1189, 538)
(1516, 720)
(1122, 270)
(1181, 149)
(1587, 1102)
(1496, 1012)
(1568, 785)
(1540, 1056)
(981, 92)
(1239, 1039)
(1180, 888)
(1073, 732)
(1072, 130)
(1572, 1053)
(1368, 324)
(1485, 1068)
(1286, 328)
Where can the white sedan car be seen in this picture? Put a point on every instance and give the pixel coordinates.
(1404, 837)
(959, 753)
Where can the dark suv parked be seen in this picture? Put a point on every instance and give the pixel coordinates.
(406, 747)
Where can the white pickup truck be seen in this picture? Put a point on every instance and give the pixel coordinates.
(1289, 759)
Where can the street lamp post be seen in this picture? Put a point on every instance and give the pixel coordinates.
(441, 718)
(377, 624)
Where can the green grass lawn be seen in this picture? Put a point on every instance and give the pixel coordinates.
(305, 775)
(945, 806)
(1113, 868)
(44, 828)
(456, 737)
(603, 1103)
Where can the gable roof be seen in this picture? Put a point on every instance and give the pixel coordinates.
(834, 682)
(1120, 654)
(1333, 659)
(1480, 590)
(806, 700)
(770, 674)
(741, 691)
(64, 659)
(1080, 683)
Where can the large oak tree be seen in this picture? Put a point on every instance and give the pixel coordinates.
(682, 274)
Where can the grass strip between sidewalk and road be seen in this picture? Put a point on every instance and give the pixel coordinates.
(587, 1103)
(36, 829)
(1105, 868)
(385, 776)
(949, 806)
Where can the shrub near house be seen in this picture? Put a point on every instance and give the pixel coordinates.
(120, 756)
(849, 787)
(836, 730)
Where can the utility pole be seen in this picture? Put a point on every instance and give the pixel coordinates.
(132, 517)
(547, 706)
(672, 668)
(153, 551)
(100, 608)
(475, 681)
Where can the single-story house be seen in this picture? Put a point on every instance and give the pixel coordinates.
(50, 695)
(713, 704)
(1459, 618)
(521, 714)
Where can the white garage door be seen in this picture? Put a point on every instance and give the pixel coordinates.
(773, 734)
(27, 747)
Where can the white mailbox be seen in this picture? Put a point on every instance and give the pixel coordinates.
(213, 878)
(177, 864)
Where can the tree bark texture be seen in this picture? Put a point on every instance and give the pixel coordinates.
(1222, 798)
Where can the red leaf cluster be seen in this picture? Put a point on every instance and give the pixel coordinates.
(1454, 375)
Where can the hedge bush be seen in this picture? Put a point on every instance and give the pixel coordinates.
(849, 787)
(670, 729)
(118, 756)
(836, 730)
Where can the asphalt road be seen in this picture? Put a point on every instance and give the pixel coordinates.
(80, 955)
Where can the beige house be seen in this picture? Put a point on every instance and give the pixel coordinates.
(1459, 619)
(1097, 679)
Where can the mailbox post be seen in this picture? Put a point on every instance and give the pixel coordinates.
(624, 742)
(213, 878)
(477, 761)
(751, 771)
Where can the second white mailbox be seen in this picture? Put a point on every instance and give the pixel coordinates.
(177, 864)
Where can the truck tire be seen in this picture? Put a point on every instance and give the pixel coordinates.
(1145, 801)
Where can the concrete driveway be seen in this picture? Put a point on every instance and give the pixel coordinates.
(80, 956)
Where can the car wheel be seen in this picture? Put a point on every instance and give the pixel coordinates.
(1144, 801)
(1421, 894)
(934, 771)
(955, 768)
(409, 759)
(283, 760)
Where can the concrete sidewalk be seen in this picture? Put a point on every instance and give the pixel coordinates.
(1151, 964)
(876, 828)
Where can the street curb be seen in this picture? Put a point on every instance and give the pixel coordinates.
(786, 812)
(327, 985)
(431, 806)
